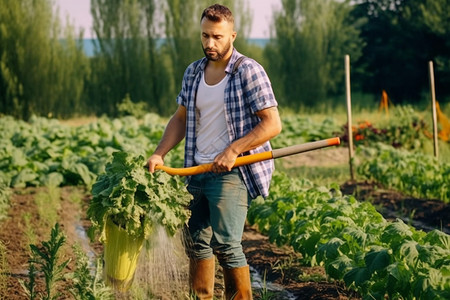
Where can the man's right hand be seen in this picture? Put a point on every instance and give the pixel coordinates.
(153, 161)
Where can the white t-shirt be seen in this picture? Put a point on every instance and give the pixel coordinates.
(211, 128)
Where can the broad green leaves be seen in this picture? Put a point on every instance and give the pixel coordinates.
(45, 152)
(354, 242)
(135, 199)
(413, 173)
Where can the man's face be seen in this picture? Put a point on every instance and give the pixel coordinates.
(217, 39)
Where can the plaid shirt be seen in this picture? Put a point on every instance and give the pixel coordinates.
(248, 90)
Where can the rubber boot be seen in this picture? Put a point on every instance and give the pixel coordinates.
(237, 283)
(201, 278)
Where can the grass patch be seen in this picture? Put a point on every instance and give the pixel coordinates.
(323, 176)
(48, 204)
(29, 232)
(76, 196)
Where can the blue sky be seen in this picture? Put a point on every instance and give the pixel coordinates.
(78, 12)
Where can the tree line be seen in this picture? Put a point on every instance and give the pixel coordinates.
(44, 70)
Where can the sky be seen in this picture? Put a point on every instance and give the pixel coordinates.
(79, 15)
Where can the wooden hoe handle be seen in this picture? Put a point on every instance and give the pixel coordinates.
(249, 159)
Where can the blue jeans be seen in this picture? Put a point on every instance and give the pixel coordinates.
(219, 209)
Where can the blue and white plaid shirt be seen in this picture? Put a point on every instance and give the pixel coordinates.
(248, 90)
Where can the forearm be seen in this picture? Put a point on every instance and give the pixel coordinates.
(173, 134)
(268, 128)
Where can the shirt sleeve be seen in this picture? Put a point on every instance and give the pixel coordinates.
(257, 86)
(186, 85)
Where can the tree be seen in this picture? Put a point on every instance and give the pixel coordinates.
(436, 17)
(307, 52)
(401, 37)
(42, 68)
(127, 61)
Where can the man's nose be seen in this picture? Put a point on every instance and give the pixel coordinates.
(209, 43)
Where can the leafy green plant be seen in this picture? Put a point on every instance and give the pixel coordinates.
(85, 285)
(130, 108)
(413, 173)
(135, 199)
(354, 242)
(45, 259)
(5, 193)
(405, 129)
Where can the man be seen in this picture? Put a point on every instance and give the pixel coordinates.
(226, 109)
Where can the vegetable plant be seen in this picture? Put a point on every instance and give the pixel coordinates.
(136, 200)
(413, 173)
(354, 242)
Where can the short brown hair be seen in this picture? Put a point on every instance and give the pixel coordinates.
(218, 13)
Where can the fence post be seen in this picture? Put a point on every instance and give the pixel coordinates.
(433, 108)
(349, 115)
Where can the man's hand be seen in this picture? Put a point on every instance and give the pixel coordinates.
(153, 161)
(224, 161)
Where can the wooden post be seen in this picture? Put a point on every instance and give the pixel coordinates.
(433, 108)
(349, 114)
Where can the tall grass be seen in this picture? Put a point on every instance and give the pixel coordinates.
(48, 203)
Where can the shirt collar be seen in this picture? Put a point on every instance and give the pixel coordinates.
(234, 56)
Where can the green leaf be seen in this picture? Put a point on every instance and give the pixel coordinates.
(357, 276)
(377, 260)
(437, 237)
(340, 266)
(408, 251)
(396, 232)
(330, 250)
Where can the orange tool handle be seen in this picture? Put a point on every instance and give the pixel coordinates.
(249, 159)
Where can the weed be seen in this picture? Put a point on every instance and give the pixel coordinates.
(45, 259)
(316, 277)
(86, 285)
(286, 267)
(265, 293)
(48, 204)
(29, 230)
(76, 196)
(5, 194)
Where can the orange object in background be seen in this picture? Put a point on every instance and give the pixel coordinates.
(444, 133)
(384, 102)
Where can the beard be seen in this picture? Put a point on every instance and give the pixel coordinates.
(218, 55)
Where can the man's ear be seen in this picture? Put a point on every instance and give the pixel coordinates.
(233, 35)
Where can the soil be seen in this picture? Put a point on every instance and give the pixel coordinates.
(276, 271)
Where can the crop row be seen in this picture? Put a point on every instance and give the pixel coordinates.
(412, 173)
(354, 242)
(349, 238)
(44, 152)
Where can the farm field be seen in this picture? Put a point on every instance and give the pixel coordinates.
(284, 269)
(282, 266)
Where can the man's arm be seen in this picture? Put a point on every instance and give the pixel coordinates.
(173, 134)
(268, 128)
